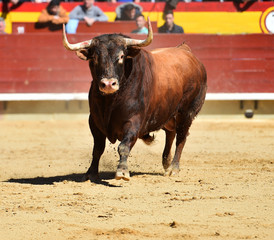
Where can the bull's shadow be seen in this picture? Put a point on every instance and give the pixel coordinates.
(75, 177)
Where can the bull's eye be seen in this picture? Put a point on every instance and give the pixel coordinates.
(120, 57)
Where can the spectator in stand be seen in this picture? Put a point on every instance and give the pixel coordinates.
(54, 13)
(2, 26)
(170, 26)
(9, 5)
(128, 12)
(86, 12)
(140, 22)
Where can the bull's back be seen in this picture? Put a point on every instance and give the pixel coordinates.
(176, 70)
(176, 65)
(177, 73)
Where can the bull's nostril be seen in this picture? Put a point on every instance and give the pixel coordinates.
(109, 85)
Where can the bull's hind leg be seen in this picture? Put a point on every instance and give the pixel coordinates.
(170, 129)
(166, 157)
(183, 122)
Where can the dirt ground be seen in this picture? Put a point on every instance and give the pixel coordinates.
(224, 189)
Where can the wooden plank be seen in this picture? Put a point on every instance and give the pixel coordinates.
(43, 96)
(97, 27)
(231, 86)
(29, 76)
(42, 63)
(111, 27)
(239, 64)
(234, 53)
(39, 62)
(52, 45)
(45, 87)
(197, 41)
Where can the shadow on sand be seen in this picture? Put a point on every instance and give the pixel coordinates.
(73, 178)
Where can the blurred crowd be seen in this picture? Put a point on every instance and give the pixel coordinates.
(136, 1)
(86, 11)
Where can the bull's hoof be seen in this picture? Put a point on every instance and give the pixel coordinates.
(166, 162)
(92, 177)
(166, 165)
(122, 174)
(172, 171)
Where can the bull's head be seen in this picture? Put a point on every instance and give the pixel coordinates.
(109, 57)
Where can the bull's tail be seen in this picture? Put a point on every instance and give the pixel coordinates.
(200, 98)
(148, 139)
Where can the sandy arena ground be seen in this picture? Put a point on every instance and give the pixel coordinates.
(224, 190)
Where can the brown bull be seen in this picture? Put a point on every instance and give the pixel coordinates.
(135, 92)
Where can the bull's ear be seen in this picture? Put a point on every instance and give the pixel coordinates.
(82, 54)
(133, 51)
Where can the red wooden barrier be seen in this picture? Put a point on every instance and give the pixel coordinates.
(97, 27)
(38, 63)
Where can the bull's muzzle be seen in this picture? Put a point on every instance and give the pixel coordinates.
(109, 86)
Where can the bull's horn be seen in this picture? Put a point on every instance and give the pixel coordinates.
(141, 43)
(76, 46)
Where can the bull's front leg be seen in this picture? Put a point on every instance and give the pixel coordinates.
(124, 150)
(98, 148)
